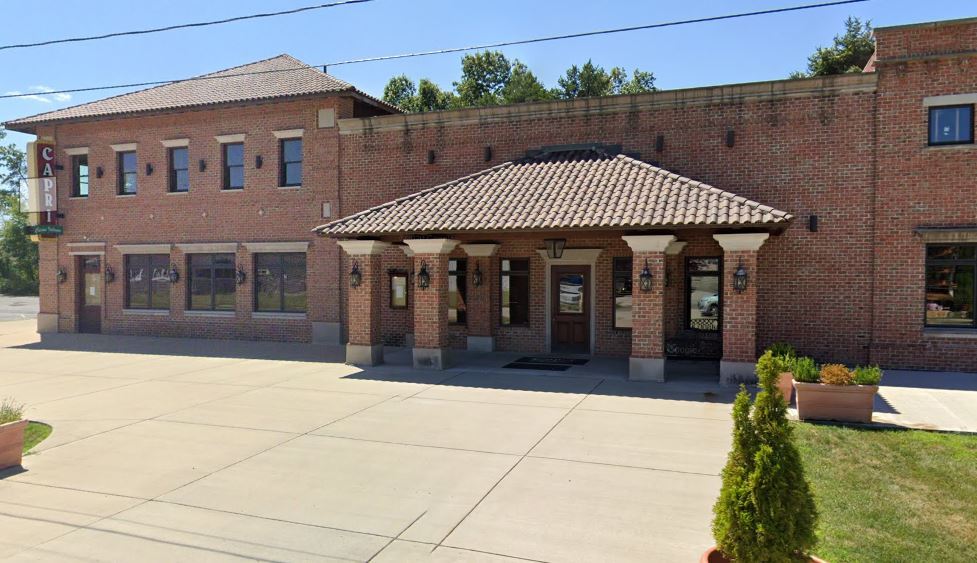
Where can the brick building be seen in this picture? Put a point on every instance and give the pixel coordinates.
(836, 213)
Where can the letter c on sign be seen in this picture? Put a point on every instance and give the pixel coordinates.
(47, 153)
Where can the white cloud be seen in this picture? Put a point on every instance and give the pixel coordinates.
(23, 96)
(57, 97)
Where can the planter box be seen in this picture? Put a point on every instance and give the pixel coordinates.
(844, 403)
(12, 443)
(785, 381)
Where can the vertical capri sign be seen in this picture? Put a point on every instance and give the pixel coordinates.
(42, 186)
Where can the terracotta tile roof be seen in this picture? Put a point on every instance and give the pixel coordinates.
(560, 190)
(277, 77)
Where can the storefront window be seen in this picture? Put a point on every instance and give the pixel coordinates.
(147, 282)
(279, 283)
(211, 281)
(457, 292)
(515, 292)
(950, 286)
(622, 293)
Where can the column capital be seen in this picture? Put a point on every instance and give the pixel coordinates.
(480, 250)
(648, 243)
(741, 241)
(363, 247)
(432, 245)
(675, 247)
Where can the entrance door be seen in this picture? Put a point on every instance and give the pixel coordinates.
(90, 294)
(570, 309)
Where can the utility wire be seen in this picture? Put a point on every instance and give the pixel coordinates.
(450, 50)
(182, 26)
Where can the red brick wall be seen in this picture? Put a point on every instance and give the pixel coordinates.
(365, 301)
(918, 186)
(261, 212)
(739, 309)
(431, 303)
(648, 307)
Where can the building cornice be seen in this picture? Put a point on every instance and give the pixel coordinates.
(754, 91)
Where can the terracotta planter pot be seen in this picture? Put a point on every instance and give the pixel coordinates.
(12, 443)
(786, 384)
(844, 403)
(713, 555)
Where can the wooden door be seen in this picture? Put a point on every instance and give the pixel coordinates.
(90, 294)
(570, 309)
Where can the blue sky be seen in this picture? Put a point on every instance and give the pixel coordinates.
(744, 50)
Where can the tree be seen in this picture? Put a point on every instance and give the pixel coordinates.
(425, 96)
(399, 91)
(18, 255)
(592, 80)
(523, 86)
(849, 53)
(483, 77)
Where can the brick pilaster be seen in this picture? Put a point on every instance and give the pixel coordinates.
(365, 346)
(480, 318)
(739, 308)
(431, 303)
(648, 307)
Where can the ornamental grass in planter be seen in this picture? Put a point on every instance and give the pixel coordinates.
(765, 512)
(12, 425)
(835, 392)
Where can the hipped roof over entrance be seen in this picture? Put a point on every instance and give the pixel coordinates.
(575, 188)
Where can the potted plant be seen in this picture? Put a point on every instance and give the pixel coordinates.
(12, 425)
(776, 367)
(837, 393)
(765, 512)
(785, 378)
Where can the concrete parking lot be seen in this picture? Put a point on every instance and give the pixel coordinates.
(191, 450)
(16, 308)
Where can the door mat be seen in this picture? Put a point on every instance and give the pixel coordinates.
(546, 363)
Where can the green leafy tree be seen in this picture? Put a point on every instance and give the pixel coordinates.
(483, 77)
(18, 254)
(523, 86)
(399, 91)
(424, 96)
(849, 52)
(765, 512)
(592, 80)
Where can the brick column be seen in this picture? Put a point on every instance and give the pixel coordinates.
(739, 308)
(479, 299)
(647, 362)
(431, 303)
(365, 346)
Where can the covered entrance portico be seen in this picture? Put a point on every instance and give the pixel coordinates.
(622, 259)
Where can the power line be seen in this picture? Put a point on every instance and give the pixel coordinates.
(450, 50)
(182, 26)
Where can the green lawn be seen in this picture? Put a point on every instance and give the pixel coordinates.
(34, 434)
(892, 495)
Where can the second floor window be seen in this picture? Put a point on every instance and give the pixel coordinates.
(79, 175)
(951, 125)
(127, 172)
(179, 170)
(233, 166)
(291, 163)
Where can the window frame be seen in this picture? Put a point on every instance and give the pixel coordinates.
(461, 283)
(927, 262)
(76, 175)
(399, 274)
(687, 293)
(280, 256)
(618, 273)
(121, 173)
(161, 259)
(213, 278)
(173, 186)
(929, 125)
(226, 167)
(282, 163)
(521, 273)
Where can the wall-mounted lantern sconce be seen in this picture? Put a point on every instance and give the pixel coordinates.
(423, 277)
(258, 161)
(62, 274)
(430, 157)
(477, 276)
(739, 279)
(644, 278)
(109, 274)
(149, 169)
(202, 165)
(99, 172)
(173, 275)
(355, 276)
(240, 276)
(554, 247)
(488, 153)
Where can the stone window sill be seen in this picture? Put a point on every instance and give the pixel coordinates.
(950, 147)
(125, 195)
(279, 315)
(149, 312)
(81, 197)
(232, 190)
(217, 314)
(289, 187)
(177, 193)
(932, 332)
